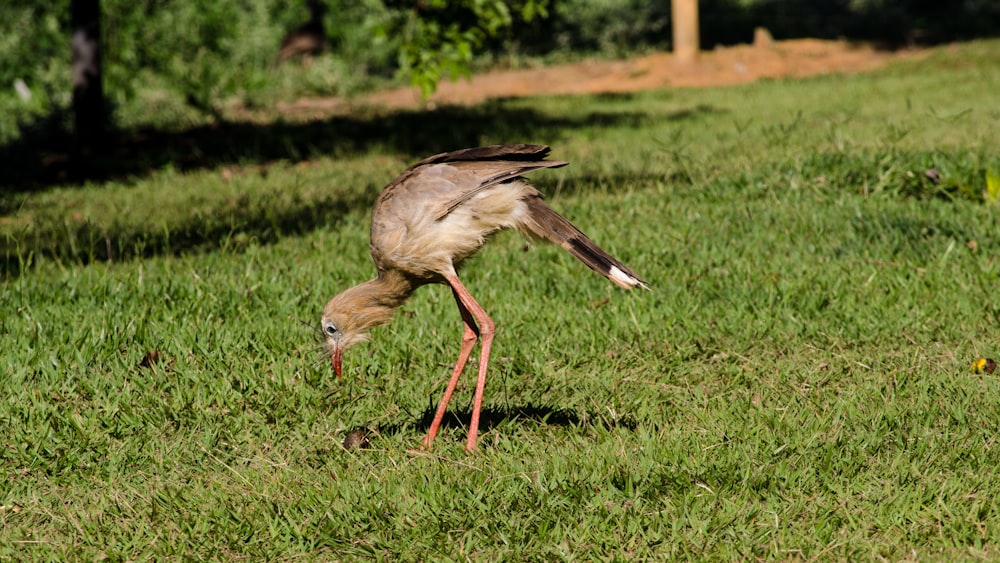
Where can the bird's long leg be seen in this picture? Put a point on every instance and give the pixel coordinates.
(486, 330)
(469, 337)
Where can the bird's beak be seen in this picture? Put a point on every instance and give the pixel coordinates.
(338, 353)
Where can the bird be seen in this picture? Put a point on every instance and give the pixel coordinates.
(426, 222)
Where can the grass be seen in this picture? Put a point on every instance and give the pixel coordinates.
(797, 384)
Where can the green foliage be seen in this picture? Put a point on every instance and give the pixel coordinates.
(166, 57)
(35, 51)
(992, 192)
(920, 21)
(440, 38)
(610, 27)
(615, 27)
(200, 54)
(167, 54)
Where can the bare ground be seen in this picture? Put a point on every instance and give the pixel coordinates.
(719, 67)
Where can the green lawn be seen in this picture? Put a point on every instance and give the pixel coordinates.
(796, 385)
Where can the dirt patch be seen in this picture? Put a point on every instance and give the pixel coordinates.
(720, 67)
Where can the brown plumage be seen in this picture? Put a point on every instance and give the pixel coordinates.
(436, 214)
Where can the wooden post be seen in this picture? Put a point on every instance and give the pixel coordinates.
(684, 14)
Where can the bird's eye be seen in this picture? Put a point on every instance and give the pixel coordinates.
(329, 329)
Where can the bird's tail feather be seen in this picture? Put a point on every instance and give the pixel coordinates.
(545, 223)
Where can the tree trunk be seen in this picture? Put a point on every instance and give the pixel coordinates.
(88, 91)
(684, 14)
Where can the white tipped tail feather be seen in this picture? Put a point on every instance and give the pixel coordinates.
(622, 279)
(543, 222)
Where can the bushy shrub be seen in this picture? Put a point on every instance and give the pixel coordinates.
(197, 52)
(175, 54)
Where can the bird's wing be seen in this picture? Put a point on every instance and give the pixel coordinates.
(441, 183)
(487, 174)
(521, 152)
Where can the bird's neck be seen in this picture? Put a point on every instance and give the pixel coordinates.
(376, 300)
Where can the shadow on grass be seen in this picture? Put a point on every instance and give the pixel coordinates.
(45, 156)
(41, 160)
(492, 417)
(233, 227)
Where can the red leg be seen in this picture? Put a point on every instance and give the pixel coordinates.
(486, 330)
(469, 338)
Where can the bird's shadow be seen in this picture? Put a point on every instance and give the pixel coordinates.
(491, 417)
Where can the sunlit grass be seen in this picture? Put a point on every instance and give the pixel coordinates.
(796, 384)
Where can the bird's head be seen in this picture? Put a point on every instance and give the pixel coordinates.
(348, 317)
(340, 332)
